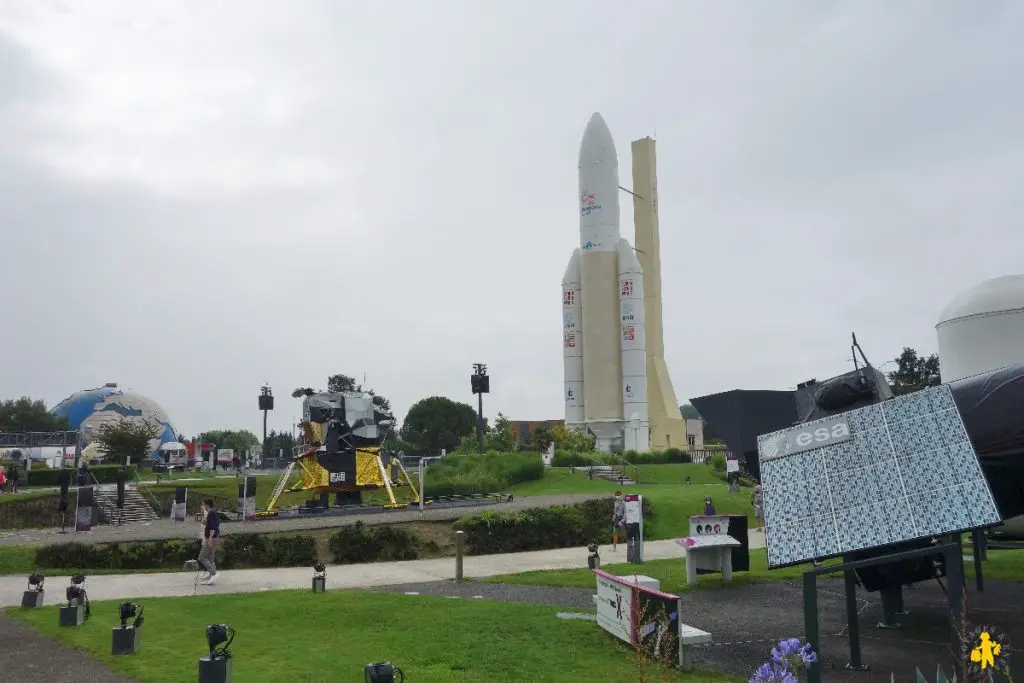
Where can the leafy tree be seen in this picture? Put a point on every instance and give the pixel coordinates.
(577, 442)
(541, 439)
(278, 442)
(340, 383)
(499, 437)
(437, 422)
(236, 439)
(27, 415)
(126, 438)
(914, 373)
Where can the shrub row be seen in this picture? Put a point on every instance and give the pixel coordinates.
(564, 526)
(360, 543)
(105, 474)
(235, 552)
(745, 479)
(349, 545)
(667, 456)
(462, 475)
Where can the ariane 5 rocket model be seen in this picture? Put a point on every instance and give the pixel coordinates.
(604, 314)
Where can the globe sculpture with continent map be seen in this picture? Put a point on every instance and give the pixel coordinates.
(90, 409)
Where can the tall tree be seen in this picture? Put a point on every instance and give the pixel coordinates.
(437, 422)
(278, 442)
(340, 383)
(914, 373)
(28, 415)
(500, 437)
(235, 439)
(541, 439)
(126, 438)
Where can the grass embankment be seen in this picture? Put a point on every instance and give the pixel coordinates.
(288, 636)
(1002, 565)
(672, 500)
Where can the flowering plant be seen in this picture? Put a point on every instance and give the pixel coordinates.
(788, 657)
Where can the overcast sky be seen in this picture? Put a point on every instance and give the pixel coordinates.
(200, 196)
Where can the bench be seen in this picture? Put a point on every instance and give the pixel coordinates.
(688, 637)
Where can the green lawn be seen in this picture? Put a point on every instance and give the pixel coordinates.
(671, 573)
(672, 503)
(1002, 565)
(299, 637)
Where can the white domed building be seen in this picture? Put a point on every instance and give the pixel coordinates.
(982, 329)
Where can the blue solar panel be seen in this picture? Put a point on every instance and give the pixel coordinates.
(895, 471)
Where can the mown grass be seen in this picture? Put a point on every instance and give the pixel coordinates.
(298, 636)
(673, 503)
(671, 574)
(1002, 565)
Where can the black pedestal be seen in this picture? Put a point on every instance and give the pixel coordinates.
(124, 641)
(319, 584)
(216, 670)
(32, 599)
(72, 616)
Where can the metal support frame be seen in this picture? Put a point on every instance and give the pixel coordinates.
(953, 553)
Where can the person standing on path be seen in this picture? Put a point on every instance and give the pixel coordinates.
(211, 532)
(758, 500)
(618, 519)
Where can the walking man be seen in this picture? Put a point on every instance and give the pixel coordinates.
(211, 532)
(618, 519)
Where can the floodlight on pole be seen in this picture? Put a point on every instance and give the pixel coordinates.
(480, 383)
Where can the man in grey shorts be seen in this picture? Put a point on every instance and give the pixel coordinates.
(211, 533)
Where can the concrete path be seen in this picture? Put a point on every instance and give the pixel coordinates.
(130, 586)
(166, 529)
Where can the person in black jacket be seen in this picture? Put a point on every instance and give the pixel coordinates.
(211, 533)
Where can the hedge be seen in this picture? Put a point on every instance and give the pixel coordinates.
(668, 456)
(565, 526)
(360, 543)
(105, 474)
(463, 475)
(236, 551)
(40, 511)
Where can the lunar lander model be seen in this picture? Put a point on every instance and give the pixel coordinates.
(341, 451)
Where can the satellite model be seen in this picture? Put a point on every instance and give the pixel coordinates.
(341, 450)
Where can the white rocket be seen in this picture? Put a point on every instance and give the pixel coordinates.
(603, 309)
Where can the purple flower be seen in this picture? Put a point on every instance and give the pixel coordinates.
(789, 656)
(785, 650)
(773, 672)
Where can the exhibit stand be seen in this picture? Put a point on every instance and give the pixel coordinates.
(634, 528)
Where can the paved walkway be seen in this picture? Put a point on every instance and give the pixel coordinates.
(130, 586)
(166, 529)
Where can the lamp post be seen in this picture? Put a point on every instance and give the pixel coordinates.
(266, 402)
(481, 384)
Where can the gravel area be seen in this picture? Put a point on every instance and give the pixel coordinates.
(28, 657)
(746, 621)
(166, 529)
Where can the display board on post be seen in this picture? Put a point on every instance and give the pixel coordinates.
(247, 499)
(634, 528)
(83, 509)
(179, 506)
(732, 472)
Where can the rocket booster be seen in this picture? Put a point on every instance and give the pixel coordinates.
(605, 360)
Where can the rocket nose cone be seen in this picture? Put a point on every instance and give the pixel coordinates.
(597, 145)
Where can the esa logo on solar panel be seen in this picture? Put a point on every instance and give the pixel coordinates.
(822, 435)
(337, 477)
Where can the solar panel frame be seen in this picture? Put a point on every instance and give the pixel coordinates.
(905, 470)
